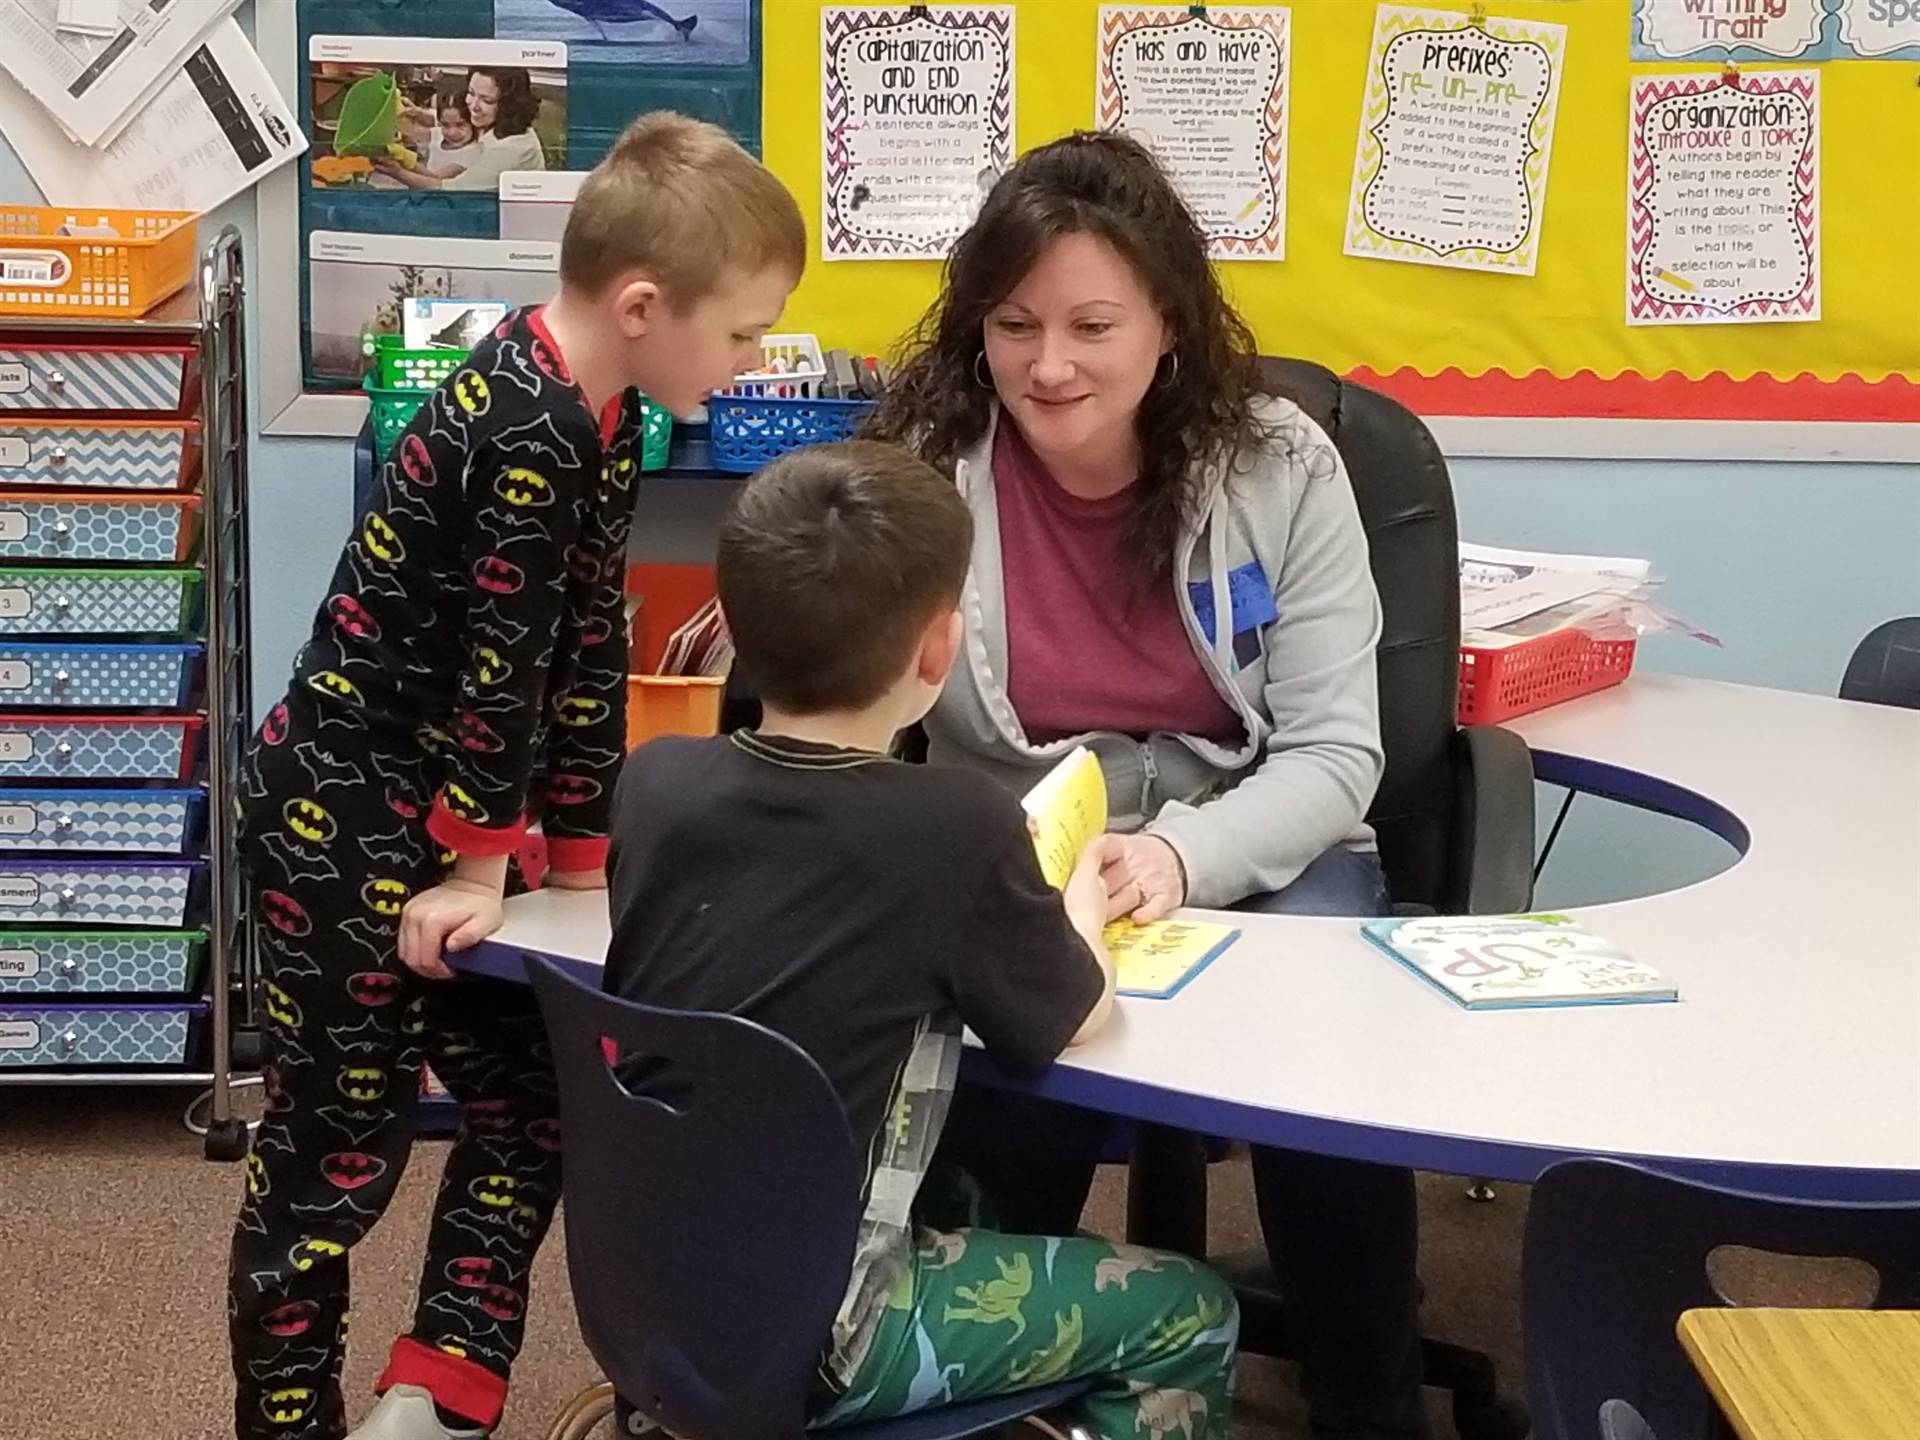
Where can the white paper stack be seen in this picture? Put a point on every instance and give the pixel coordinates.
(1507, 596)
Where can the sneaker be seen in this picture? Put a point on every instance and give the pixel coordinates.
(406, 1412)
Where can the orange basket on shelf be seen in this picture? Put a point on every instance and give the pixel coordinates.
(119, 275)
(1499, 684)
(673, 705)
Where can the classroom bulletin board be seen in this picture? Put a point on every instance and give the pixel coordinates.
(1462, 343)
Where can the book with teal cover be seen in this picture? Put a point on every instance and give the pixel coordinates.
(1507, 962)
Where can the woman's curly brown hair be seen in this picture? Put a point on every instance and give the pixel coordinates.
(1201, 409)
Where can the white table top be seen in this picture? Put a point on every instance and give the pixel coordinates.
(1795, 1047)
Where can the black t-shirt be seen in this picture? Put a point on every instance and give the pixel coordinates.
(840, 898)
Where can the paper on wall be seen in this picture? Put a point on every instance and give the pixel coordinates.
(93, 85)
(215, 128)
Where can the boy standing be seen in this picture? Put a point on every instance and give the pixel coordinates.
(868, 909)
(466, 673)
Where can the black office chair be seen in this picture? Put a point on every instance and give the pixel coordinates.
(1454, 817)
(1885, 668)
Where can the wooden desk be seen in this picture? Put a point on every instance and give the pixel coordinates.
(1810, 1374)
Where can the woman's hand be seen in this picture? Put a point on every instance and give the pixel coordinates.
(453, 915)
(1144, 878)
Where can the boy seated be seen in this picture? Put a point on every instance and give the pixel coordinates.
(867, 909)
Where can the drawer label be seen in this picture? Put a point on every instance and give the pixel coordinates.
(16, 745)
(19, 964)
(18, 819)
(14, 378)
(19, 890)
(14, 452)
(19, 1034)
(15, 675)
(16, 602)
(13, 524)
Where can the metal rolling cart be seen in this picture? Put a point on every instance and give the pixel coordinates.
(97, 411)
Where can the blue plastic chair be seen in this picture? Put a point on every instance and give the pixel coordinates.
(1615, 1254)
(711, 1209)
(1885, 668)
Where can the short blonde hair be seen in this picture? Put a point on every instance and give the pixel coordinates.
(681, 200)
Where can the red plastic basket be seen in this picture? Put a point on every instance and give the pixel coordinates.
(1497, 685)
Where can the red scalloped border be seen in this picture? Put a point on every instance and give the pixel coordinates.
(1672, 396)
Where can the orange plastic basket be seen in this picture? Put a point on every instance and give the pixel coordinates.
(672, 705)
(45, 272)
(1497, 685)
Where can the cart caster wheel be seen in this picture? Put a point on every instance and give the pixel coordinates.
(249, 1049)
(1501, 1418)
(227, 1140)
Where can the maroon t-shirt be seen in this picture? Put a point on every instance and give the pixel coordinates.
(1087, 648)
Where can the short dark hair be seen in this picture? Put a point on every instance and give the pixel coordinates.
(832, 562)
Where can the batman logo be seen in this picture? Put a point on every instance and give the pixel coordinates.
(257, 1182)
(281, 1007)
(290, 1320)
(382, 541)
(332, 682)
(596, 631)
(274, 728)
(619, 473)
(545, 1132)
(362, 1083)
(583, 564)
(446, 857)
(523, 489)
(524, 1220)
(403, 807)
(565, 789)
(413, 1020)
(548, 364)
(497, 576)
(353, 618)
(578, 712)
(489, 1117)
(471, 393)
(286, 1406)
(500, 1303)
(497, 1191)
(325, 769)
(476, 735)
(307, 1253)
(309, 821)
(489, 667)
(350, 1169)
(433, 739)
(273, 1090)
(462, 805)
(285, 914)
(373, 988)
(470, 1272)
(503, 329)
(416, 461)
(385, 897)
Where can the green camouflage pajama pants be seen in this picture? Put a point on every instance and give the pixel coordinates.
(980, 1313)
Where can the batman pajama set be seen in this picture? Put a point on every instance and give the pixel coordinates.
(466, 670)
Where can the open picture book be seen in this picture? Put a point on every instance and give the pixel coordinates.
(1516, 961)
(1068, 807)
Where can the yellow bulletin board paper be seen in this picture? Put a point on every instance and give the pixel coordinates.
(1349, 313)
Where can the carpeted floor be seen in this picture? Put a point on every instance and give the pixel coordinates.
(113, 1235)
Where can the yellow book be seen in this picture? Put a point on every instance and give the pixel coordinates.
(1068, 808)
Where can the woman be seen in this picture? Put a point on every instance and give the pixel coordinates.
(1099, 404)
(502, 107)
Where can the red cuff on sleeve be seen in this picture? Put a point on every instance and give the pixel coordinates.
(576, 853)
(456, 1383)
(450, 831)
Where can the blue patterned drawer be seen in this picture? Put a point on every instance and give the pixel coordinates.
(154, 529)
(99, 822)
(100, 962)
(94, 747)
(96, 602)
(100, 454)
(122, 379)
(97, 1035)
(44, 890)
(124, 677)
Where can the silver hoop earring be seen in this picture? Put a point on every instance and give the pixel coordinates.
(985, 382)
(1173, 370)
